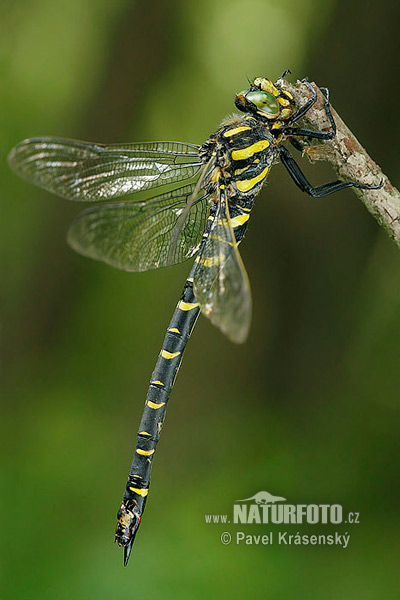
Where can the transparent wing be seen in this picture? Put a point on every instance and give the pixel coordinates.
(184, 214)
(221, 285)
(86, 171)
(136, 236)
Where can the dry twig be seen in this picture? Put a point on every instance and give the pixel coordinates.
(350, 161)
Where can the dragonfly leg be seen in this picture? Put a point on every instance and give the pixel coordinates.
(322, 190)
(305, 108)
(312, 133)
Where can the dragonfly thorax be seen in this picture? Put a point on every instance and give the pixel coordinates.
(239, 155)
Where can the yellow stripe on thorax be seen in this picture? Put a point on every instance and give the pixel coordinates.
(240, 171)
(239, 220)
(157, 382)
(250, 150)
(236, 130)
(247, 184)
(242, 208)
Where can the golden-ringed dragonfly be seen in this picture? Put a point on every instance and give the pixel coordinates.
(201, 207)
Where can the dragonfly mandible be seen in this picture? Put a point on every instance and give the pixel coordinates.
(199, 201)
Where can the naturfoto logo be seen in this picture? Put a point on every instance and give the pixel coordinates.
(264, 507)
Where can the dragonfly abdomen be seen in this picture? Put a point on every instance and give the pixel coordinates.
(239, 213)
(161, 383)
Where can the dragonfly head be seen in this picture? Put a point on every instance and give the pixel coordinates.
(265, 100)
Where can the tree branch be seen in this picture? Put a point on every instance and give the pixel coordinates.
(349, 159)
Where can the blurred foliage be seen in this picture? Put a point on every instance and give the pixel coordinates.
(307, 409)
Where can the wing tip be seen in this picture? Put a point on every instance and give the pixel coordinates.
(238, 336)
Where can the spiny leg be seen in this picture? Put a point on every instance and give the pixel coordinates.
(304, 109)
(321, 190)
(298, 144)
(312, 133)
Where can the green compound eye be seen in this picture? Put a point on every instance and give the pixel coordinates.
(266, 103)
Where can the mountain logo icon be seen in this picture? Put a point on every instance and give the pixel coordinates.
(263, 498)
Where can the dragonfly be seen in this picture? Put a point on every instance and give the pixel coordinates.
(157, 204)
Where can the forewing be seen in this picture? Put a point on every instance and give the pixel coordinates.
(221, 285)
(136, 236)
(86, 171)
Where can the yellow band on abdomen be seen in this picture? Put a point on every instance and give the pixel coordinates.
(140, 492)
(187, 305)
(155, 405)
(250, 150)
(145, 452)
(169, 355)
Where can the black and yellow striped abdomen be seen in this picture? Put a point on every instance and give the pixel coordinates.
(161, 383)
(162, 380)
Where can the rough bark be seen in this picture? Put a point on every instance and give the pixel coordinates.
(350, 160)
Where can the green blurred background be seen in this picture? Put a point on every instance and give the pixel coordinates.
(307, 409)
